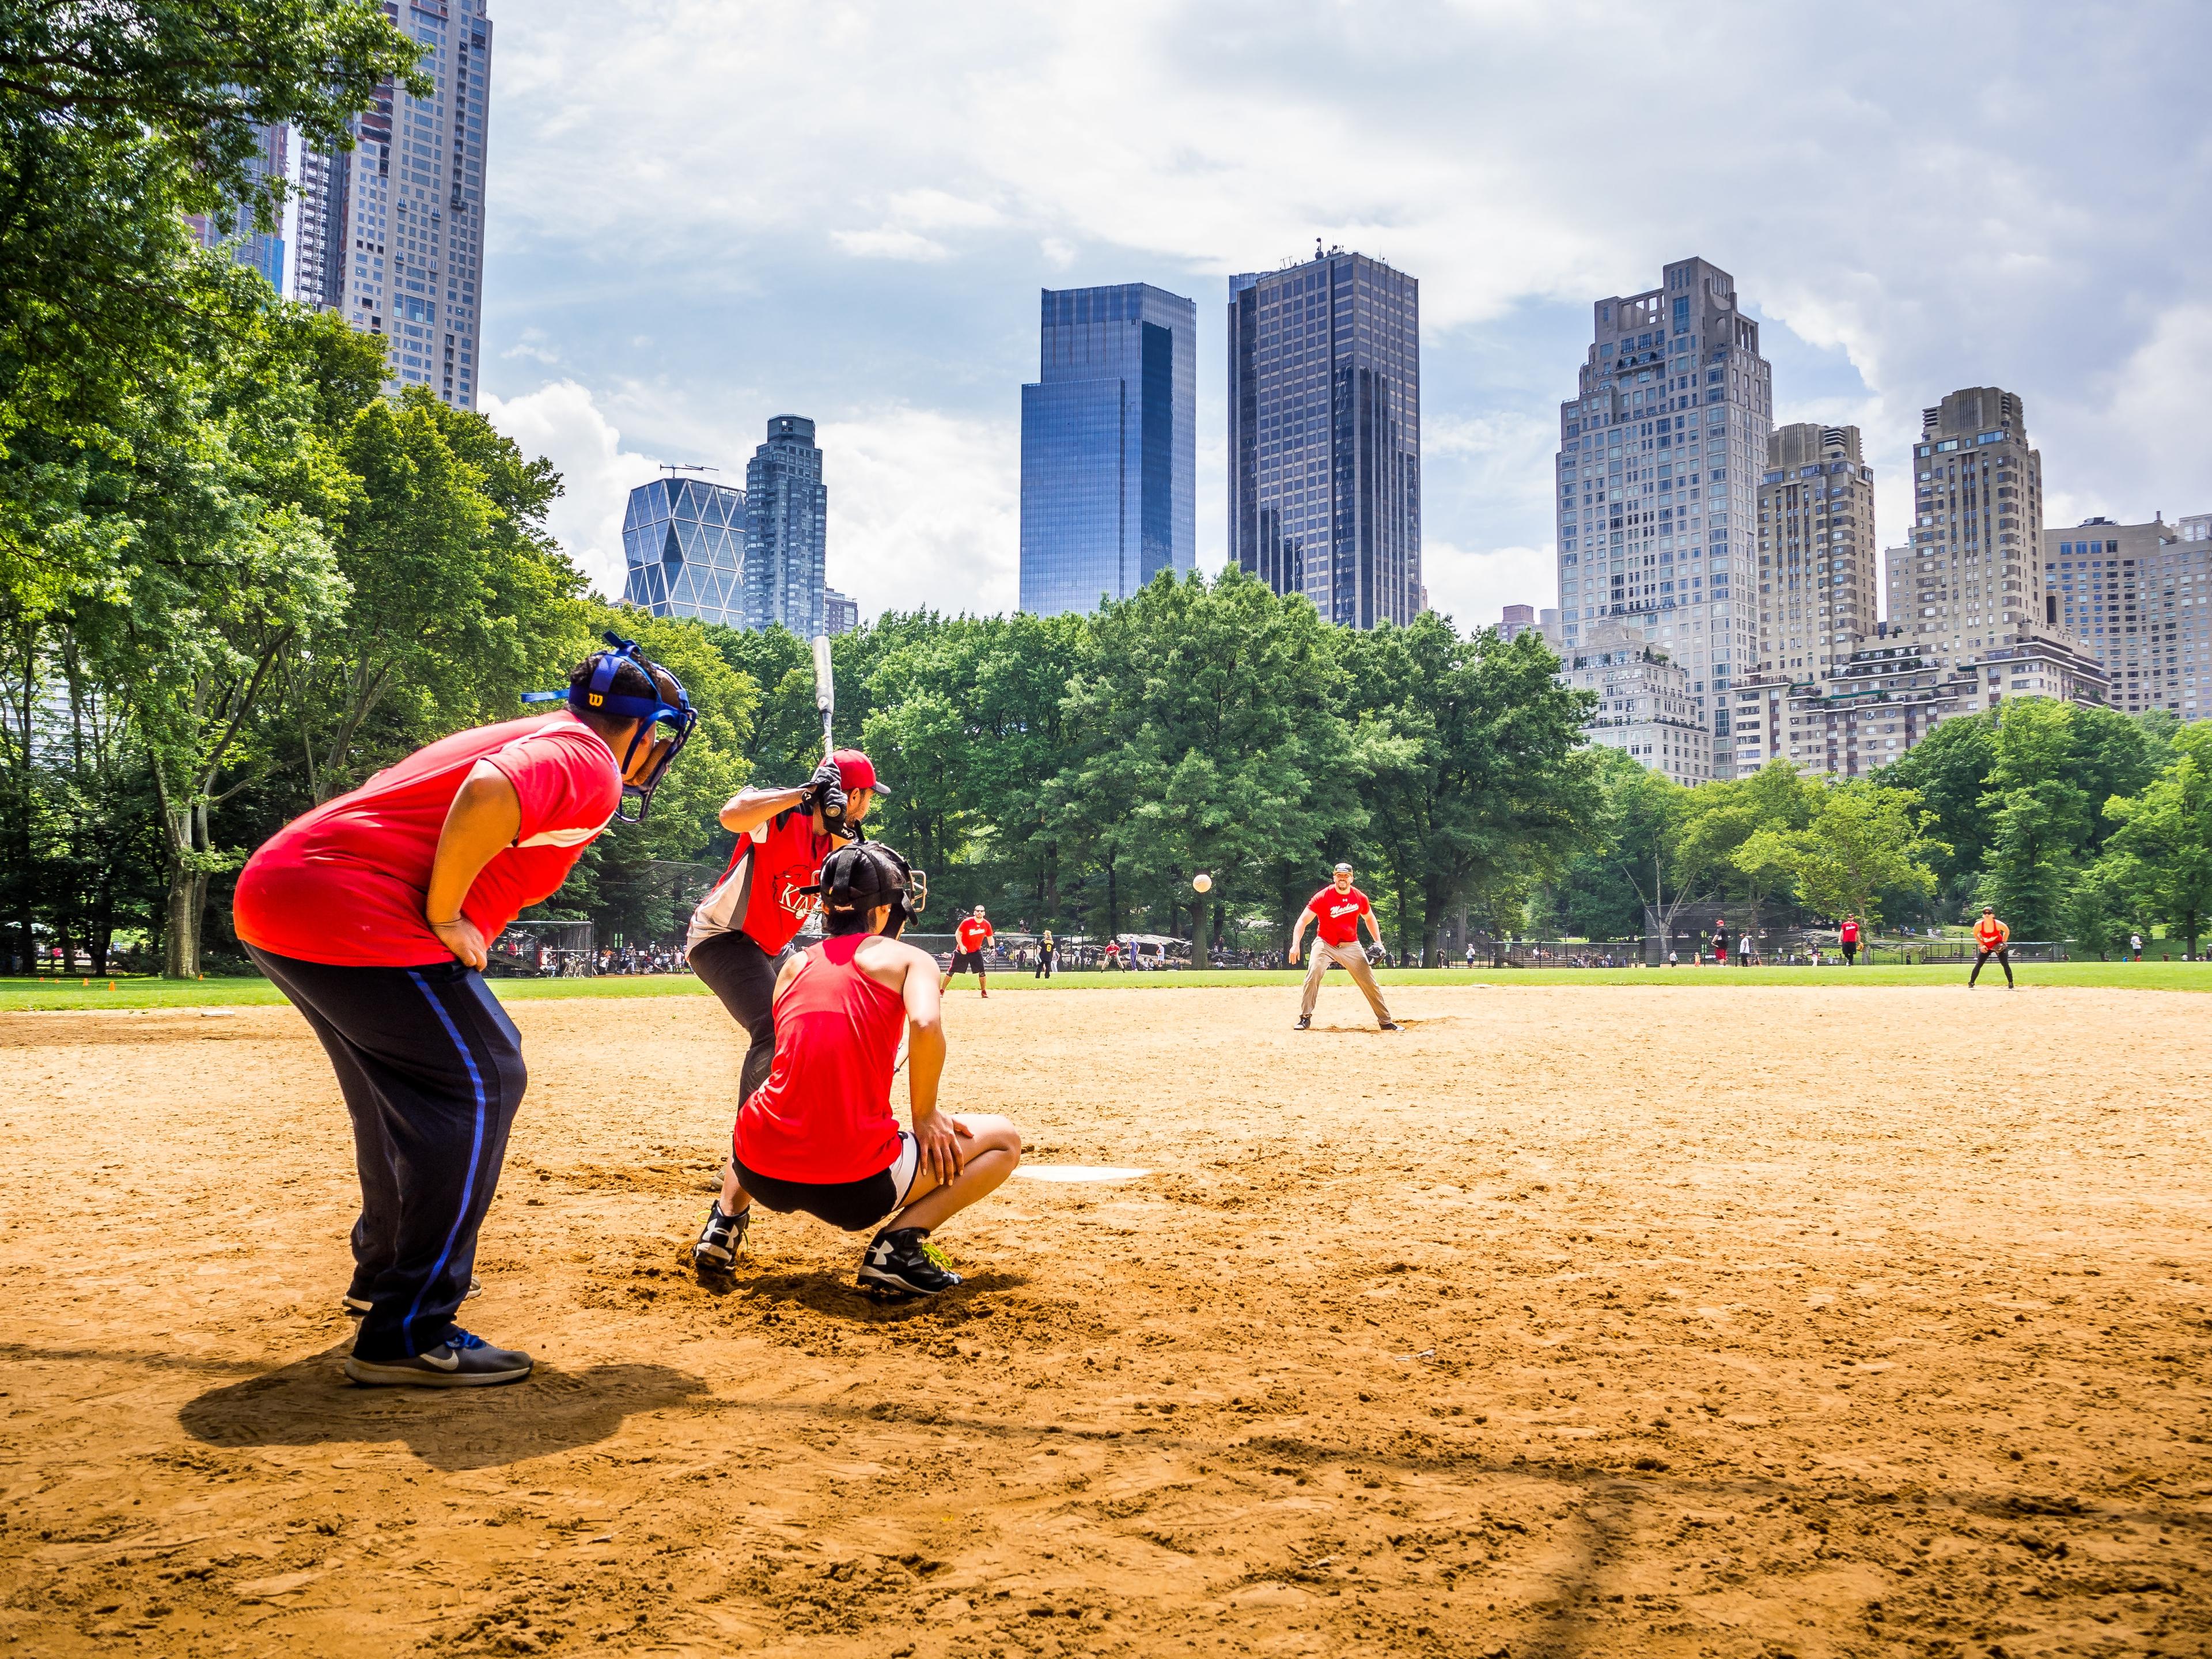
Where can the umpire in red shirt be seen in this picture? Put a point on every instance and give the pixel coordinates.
(742, 929)
(373, 915)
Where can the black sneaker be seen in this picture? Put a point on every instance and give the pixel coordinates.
(1304, 1022)
(899, 1261)
(1389, 1025)
(720, 1240)
(355, 1306)
(461, 1361)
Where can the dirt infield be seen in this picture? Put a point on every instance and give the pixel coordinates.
(1568, 1321)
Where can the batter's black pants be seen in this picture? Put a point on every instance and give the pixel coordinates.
(743, 975)
(431, 1070)
(2004, 961)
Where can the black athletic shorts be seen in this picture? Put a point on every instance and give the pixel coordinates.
(966, 962)
(851, 1206)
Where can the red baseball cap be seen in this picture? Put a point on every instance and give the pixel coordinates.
(858, 771)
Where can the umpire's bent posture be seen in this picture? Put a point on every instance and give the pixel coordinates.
(374, 913)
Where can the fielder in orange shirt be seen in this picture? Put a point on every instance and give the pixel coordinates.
(1991, 937)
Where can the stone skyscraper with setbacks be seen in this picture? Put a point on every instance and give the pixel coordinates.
(1660, 454)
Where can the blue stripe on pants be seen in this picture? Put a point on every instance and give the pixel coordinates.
(432, 1073)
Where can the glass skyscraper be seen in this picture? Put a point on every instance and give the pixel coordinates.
(684, 540)
(1325, 435)
(786, 529)
(1661, 452)
(249, 245)
(1109, 445)
(391, 233)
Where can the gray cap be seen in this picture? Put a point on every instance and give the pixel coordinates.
(1342, 870)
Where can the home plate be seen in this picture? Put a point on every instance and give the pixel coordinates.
(1078, 1172)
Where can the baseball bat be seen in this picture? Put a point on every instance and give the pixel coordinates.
(825, 691)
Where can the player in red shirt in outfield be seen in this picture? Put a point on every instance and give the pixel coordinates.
(1848, 937)
(1337, 911)
(1992, 938)
(373, 913)
(974, 932)
(819, 1136)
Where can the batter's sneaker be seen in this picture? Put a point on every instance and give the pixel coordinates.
(1305, 1022)
(355, 1306)
(461, 1361)
(899, 1262)
(720, 1240)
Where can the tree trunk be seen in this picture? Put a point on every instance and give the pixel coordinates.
(181, 935)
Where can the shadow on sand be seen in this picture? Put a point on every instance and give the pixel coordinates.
(309, 1402)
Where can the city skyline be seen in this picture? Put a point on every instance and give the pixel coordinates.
(878, 269)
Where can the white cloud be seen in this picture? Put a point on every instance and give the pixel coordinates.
(561, 423)
(923, 510)
(888, 243)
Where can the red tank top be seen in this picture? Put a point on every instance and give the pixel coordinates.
(824, 1114)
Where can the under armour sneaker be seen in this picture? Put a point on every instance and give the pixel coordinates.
(1306, 1022)
(355, 1306)
(720, 1240)
(899, 1261)
(461, 1361)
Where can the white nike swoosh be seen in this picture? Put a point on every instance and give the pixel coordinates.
(451, 1362)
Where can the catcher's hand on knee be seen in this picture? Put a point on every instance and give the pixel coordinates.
(937, 1137)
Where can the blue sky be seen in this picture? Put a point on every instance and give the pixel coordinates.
(706, 212)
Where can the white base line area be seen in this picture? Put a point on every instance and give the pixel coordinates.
(1078, 1172)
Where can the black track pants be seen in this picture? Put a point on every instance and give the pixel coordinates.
(2004, 961)
(743, 975)
(431, 1069)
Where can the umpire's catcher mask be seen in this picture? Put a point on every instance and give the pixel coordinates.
(862, 877)
(596, 694)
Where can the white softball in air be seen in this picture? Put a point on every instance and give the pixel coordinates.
(1203, 882)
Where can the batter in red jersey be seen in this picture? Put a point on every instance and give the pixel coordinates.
(1337, 912)
(374, 913)
(744, 926)
(970, 939)
(819, 1137)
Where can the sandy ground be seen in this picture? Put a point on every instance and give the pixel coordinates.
(1572, 1321)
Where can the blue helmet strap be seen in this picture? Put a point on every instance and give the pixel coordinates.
(597, 695)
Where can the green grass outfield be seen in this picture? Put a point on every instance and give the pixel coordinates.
(17, 995)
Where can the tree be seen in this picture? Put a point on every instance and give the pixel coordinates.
(2160, 855)
(1724, 815)
(1864, 840)
(455, 595)
(116, 120)
(2039, 816)
(1479, 784)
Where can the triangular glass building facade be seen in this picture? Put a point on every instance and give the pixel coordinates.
(684, 542)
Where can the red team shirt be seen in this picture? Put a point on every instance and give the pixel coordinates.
(824, 1114)
(1851, 932)
(974, 935)
(758, 894)
(1337, 914)
(345, 883)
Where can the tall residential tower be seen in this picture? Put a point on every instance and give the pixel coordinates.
(786, 529)
(1325, 435)
(1816, 564)
(1660, 452)
(1977, 536)
(391, 232)
(1109, 445)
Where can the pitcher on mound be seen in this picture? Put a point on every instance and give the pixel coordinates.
(1337, 911)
